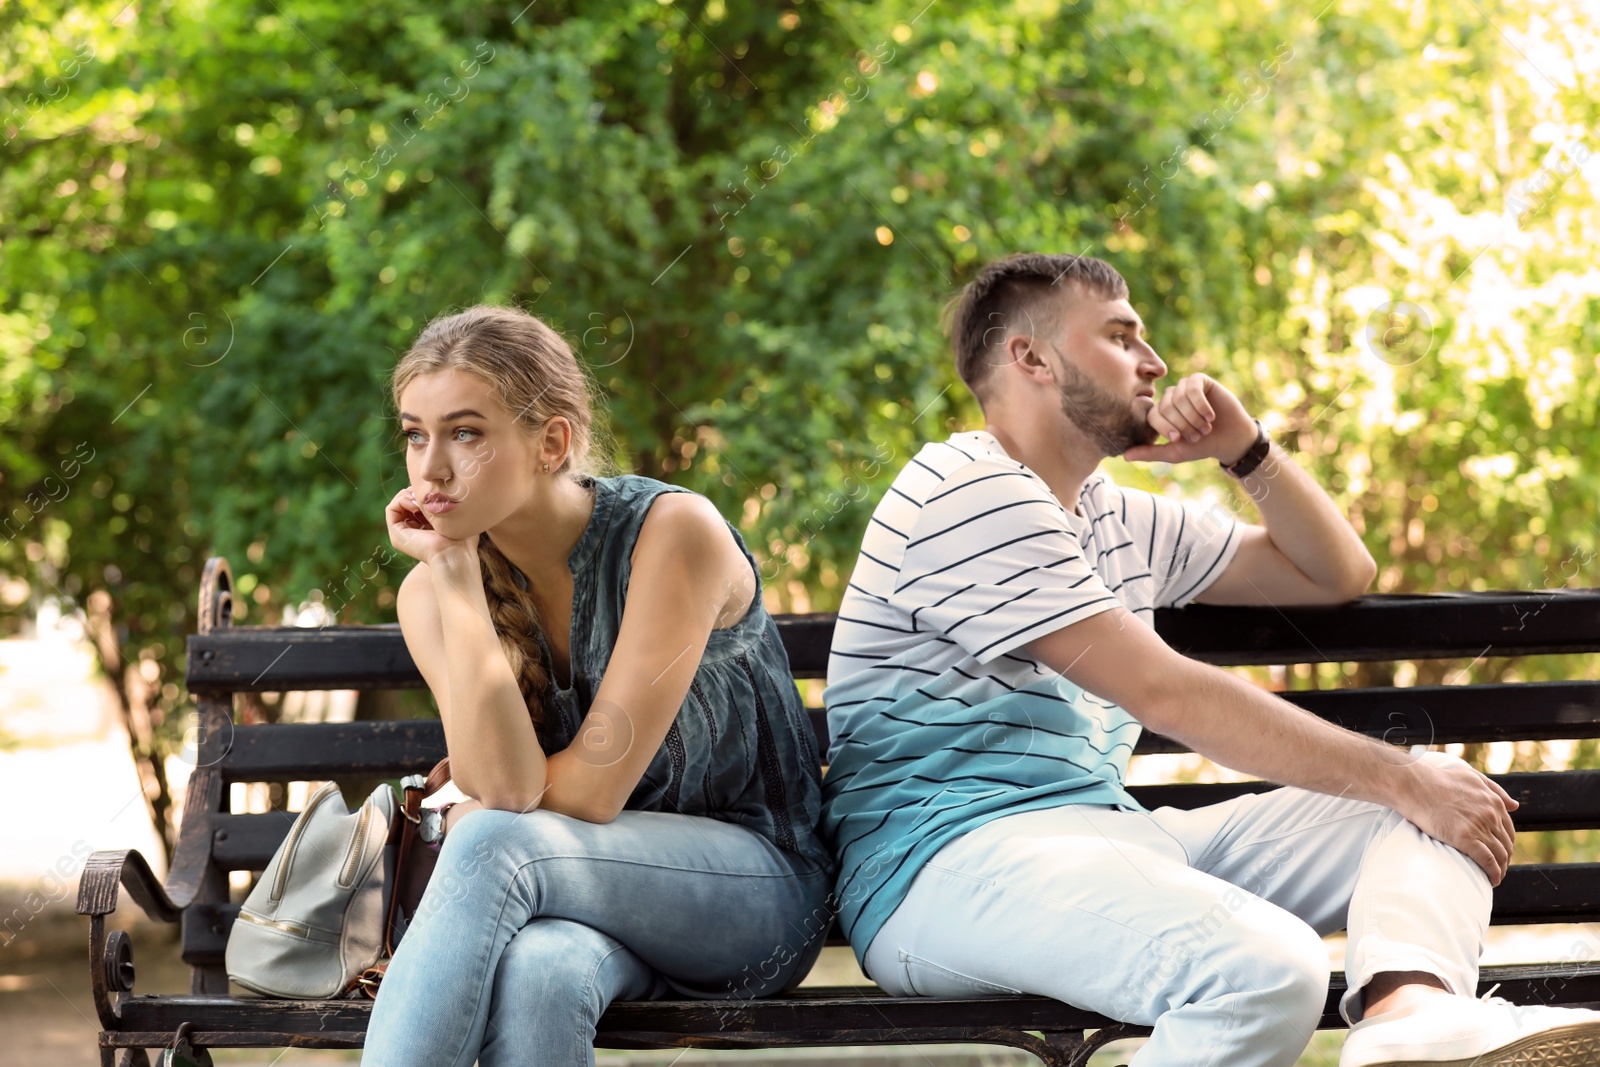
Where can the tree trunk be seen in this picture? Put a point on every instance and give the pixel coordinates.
(134, 698)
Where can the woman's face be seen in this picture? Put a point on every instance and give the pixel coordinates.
(463, 445)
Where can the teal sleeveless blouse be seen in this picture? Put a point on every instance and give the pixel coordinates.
(741, 747)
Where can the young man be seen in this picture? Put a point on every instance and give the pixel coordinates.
(994, 662)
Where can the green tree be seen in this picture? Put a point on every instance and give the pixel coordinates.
(220, 226)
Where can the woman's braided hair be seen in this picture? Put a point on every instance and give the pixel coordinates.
(532, 371)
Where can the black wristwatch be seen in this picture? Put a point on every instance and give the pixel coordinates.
(1253, 456)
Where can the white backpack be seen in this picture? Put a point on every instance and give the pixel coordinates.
(314, 920)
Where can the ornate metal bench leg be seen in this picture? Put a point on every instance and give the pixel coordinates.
(1064, 1048)
(1083, 1047)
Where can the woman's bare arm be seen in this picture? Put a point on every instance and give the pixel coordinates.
(688, 577)
(444, 615)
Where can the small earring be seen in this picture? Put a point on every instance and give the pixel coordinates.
(547, 466)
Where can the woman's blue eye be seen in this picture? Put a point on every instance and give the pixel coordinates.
(460, 429)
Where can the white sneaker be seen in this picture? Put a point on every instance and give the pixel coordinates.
(1454, 1031)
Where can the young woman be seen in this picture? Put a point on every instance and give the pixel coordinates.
(618, 706)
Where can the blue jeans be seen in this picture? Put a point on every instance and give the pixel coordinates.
(532, 923)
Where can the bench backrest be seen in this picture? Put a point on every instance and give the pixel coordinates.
(224, 659)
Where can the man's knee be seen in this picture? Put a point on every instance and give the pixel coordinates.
(1241, 950)
(1292, 972)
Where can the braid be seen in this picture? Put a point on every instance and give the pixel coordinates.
(516, 621)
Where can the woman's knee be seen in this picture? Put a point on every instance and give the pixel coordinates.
(555, 966)
(475, 838)
(487, 845)
(467, 869)
(486, 837)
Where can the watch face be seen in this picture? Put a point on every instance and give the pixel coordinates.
(432, 825)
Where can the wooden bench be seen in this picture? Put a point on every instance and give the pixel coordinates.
(224, 660)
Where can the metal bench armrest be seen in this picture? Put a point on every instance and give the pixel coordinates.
(108, 870)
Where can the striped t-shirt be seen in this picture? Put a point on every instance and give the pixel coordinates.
(938, 722)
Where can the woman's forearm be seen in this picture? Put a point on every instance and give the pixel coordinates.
(494, 752)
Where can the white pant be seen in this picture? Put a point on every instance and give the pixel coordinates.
(1205, 924)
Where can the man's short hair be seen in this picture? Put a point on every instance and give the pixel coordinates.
(1018, 293)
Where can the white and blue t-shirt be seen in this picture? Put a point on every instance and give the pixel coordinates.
(938, 723)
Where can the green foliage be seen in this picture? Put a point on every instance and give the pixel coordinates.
(222, 223)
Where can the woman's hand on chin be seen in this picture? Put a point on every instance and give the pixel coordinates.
(411, 532)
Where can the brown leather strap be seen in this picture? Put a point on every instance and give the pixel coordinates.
(438, 777)
(408, 838)
(367, 981)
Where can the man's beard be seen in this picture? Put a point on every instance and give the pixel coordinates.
(1110, 422)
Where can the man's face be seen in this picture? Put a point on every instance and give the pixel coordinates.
(1107, 370)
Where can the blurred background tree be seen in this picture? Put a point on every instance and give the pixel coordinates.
(221, 224)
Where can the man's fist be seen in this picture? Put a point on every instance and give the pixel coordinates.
(1200, 420)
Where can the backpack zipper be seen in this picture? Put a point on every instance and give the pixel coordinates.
(358, 847)
(288, 926)
(294, 840)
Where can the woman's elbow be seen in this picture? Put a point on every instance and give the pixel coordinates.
(590, 810)
(600, 814)
(512, 802)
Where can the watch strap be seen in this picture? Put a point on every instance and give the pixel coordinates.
(1253, 456)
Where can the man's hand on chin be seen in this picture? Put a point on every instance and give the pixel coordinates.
(1200, 419)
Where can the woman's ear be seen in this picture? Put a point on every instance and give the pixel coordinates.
(556, 441)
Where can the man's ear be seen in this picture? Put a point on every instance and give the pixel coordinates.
(1030, 359)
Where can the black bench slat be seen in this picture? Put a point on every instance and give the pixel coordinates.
(806, 639)
(272, 659)
(845, 1008)
(1526, 711)
(247, 842)
(309, 752)
(1389, 626)
(817, 1015)
(1551, 800)
(1377, 627)
(1548, 892)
